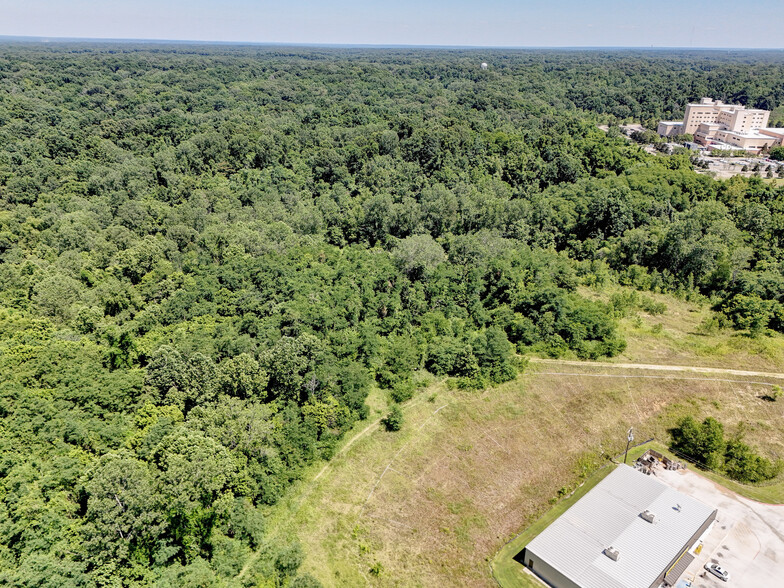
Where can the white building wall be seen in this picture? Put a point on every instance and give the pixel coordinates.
(546, 572)
(669, 128)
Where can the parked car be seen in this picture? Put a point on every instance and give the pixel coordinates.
(718, 571)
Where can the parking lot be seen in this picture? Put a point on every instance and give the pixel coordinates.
(747, 538)
(726, 167)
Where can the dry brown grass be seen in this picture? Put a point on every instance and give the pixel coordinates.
(678, 338)
(433, 503)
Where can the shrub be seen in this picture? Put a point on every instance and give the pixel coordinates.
(702, 443)
(394, 420)
(748, 312)
(743, 465)
(403, 391)
(650, 306)
(306, 581)
(289, 559)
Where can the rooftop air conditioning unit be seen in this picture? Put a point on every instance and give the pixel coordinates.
(612, 553)
(648, 516)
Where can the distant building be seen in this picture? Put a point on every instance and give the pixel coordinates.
(483, 66)
(629, 531)
(716, 125)
(670, 128)
(777, 134)
(734, 117)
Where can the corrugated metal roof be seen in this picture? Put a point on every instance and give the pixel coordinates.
(608, 515)
(678, 569)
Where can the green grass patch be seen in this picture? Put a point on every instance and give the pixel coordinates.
(510, 573)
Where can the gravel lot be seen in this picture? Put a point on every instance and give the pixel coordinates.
(747, 538)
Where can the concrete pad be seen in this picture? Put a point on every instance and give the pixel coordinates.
(747, 538)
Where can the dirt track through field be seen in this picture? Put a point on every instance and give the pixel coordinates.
(701, 373)
(660, 368)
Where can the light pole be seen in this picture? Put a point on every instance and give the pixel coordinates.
(629, 439)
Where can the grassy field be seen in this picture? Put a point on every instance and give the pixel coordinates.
(433, 504)
(682, 336)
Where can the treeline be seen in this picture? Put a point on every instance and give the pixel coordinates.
(209, 256)
(705, 444)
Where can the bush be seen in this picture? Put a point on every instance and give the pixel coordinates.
(777, 153)
(386, 379)
(773, 395)
(289, 559)
(748, 312)
(306, 581)
(494, 353)
(394, 420)
(650, 306)
(742, 464)
(403, 391)
(702, 443)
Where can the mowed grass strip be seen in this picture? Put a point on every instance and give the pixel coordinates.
(511, 574)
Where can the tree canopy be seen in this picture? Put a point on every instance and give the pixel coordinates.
(209, 255)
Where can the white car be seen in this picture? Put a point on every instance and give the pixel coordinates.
(718, 571)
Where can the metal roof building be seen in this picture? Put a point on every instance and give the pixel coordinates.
(629, 531)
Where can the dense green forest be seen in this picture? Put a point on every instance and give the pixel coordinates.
(209, 255)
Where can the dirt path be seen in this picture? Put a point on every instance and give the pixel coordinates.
(309, 486)
(372, 426)
(659, 368)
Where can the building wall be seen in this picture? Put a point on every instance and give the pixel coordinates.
(732, 117)
(764, 117)
(699, 113)
(546, 572)
(748, 143)
(705, 132)
(777, 135)
(744, 121)
(668, 129)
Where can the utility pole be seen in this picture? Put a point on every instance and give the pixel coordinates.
(629, 439)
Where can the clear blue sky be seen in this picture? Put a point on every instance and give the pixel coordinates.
(630, 23)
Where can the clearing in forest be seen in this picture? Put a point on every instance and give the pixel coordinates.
(434, 503)
(431, 505)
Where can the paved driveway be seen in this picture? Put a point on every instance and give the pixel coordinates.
(747, 538)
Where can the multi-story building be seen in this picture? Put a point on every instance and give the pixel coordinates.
(733, 117)
(724, 126)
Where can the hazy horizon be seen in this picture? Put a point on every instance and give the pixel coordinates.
(99, 40)
(407, 23)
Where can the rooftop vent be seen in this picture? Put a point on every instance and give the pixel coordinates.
(612, 553)
(648, 516)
